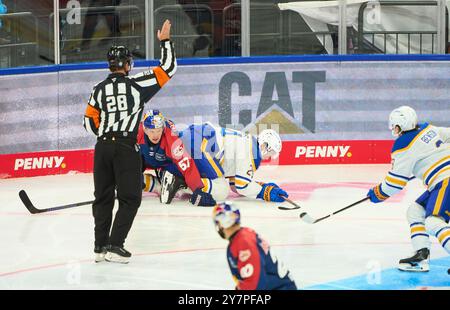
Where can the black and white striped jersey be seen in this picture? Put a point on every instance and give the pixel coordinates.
(116, 104)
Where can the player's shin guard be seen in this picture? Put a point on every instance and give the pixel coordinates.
(151, 184)
(420, 240)
(416, 219)
(438, 227)
(218, 188)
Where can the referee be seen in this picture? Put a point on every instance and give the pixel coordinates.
(113, 114)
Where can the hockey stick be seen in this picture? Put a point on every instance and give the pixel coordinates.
(296, 206)
(33, 210)
(308, 219)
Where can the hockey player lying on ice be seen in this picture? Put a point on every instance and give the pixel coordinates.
(226, 159)
(420, 151)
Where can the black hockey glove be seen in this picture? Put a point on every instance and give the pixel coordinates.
(202, 199)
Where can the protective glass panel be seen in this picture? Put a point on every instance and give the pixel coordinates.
(89, 27)
(24, 33)
(280, 27)
(201, 28)
(392, 27)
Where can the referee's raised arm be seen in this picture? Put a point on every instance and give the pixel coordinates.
(151, 81)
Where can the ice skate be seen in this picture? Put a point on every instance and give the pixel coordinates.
(419, 262)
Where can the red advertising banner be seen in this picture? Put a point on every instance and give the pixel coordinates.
(45, 163)
(336, 152)
(293, 153)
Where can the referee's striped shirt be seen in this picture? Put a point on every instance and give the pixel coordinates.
(116, 104)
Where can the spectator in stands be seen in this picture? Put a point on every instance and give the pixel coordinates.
(3, 10)
(96, 9)
(215, 26)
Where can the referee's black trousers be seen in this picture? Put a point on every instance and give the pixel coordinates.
(117, 163)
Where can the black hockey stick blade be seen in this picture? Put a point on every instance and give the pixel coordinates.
(295, 206)
(27, 202)
(33, 210)
(288, 208)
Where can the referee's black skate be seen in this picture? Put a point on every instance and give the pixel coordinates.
(170, 184)
(100, 252)
(419, 262)
(117, 254)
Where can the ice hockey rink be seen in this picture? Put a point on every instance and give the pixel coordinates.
(176, 246)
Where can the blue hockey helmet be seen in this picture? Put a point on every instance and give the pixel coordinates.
(154, 119)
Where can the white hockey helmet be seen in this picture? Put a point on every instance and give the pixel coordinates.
(404, 117)
(272, 142)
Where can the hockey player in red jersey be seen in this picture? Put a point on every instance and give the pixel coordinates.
(159, 145)
(251, 262)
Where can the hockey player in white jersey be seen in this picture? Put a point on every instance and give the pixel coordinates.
(421, 151)
(227, 160)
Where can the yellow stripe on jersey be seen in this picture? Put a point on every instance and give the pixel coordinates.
(203, 146)
(209, 158)
(397, 181)
(205, 185)
(444, 235)
(222, 158)
(240, 182)
(436, 175)
(412, 142)
(425, 175)
(379, 194)
(417, 229)
(440, 197)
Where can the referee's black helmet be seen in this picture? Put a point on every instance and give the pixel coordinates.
(118, 56)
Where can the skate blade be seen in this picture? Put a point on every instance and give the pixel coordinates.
(114, 258)
(99, 258)
(418, 268)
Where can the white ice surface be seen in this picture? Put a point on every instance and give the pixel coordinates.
(176, 246)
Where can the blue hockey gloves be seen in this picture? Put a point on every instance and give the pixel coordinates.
(271, 192)
(377, 195)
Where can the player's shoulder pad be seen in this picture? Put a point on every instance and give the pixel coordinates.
(170, 124)
(405, 140)
(244, 237)
(170, 135)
